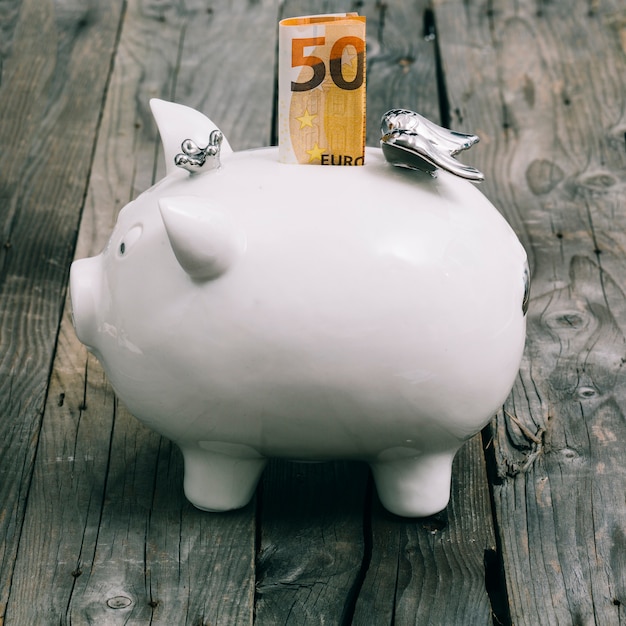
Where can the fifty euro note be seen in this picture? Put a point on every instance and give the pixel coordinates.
(321, 90)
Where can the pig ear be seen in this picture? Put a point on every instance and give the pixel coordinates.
(176, 123)
(204, 240)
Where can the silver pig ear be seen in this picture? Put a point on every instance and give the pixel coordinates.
(183, 128)
(194, 158)
(410, 140)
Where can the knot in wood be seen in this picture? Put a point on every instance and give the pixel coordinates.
(119, 602)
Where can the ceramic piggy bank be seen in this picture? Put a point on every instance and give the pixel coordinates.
(254, 309)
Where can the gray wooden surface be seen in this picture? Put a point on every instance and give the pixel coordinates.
(94, 528)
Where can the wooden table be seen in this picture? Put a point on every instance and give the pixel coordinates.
(94, 528)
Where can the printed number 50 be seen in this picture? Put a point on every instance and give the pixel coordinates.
(299, 59)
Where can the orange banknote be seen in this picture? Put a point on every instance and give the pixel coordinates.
(321, 90)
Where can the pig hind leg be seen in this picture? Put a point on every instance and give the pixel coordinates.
(220, 480)
(415, 486)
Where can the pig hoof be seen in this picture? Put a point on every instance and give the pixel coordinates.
(413, 487)
(218, 480)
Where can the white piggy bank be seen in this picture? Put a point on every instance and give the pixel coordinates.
(267, 310)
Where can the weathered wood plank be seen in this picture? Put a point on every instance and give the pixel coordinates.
(55, 70)
(118, 543)
(8, 21)
(401, 67)
(311, 542)
(544, 85)
(436, 570)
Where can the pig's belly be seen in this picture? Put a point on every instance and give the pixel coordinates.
(314, 398)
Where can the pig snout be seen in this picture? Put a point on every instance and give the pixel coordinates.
(84, 281)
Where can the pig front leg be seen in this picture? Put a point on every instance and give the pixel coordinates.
(413, 486)
(220, 476)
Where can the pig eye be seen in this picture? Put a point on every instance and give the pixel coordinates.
(128, 240)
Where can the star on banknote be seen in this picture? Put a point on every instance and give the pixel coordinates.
(315, 153)
(306, 119)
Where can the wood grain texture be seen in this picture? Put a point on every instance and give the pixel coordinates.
(311, 542)
(544, 84)
(118, 543)
(53, 78)
(440, 569)
(9, 14)
(401, 62)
